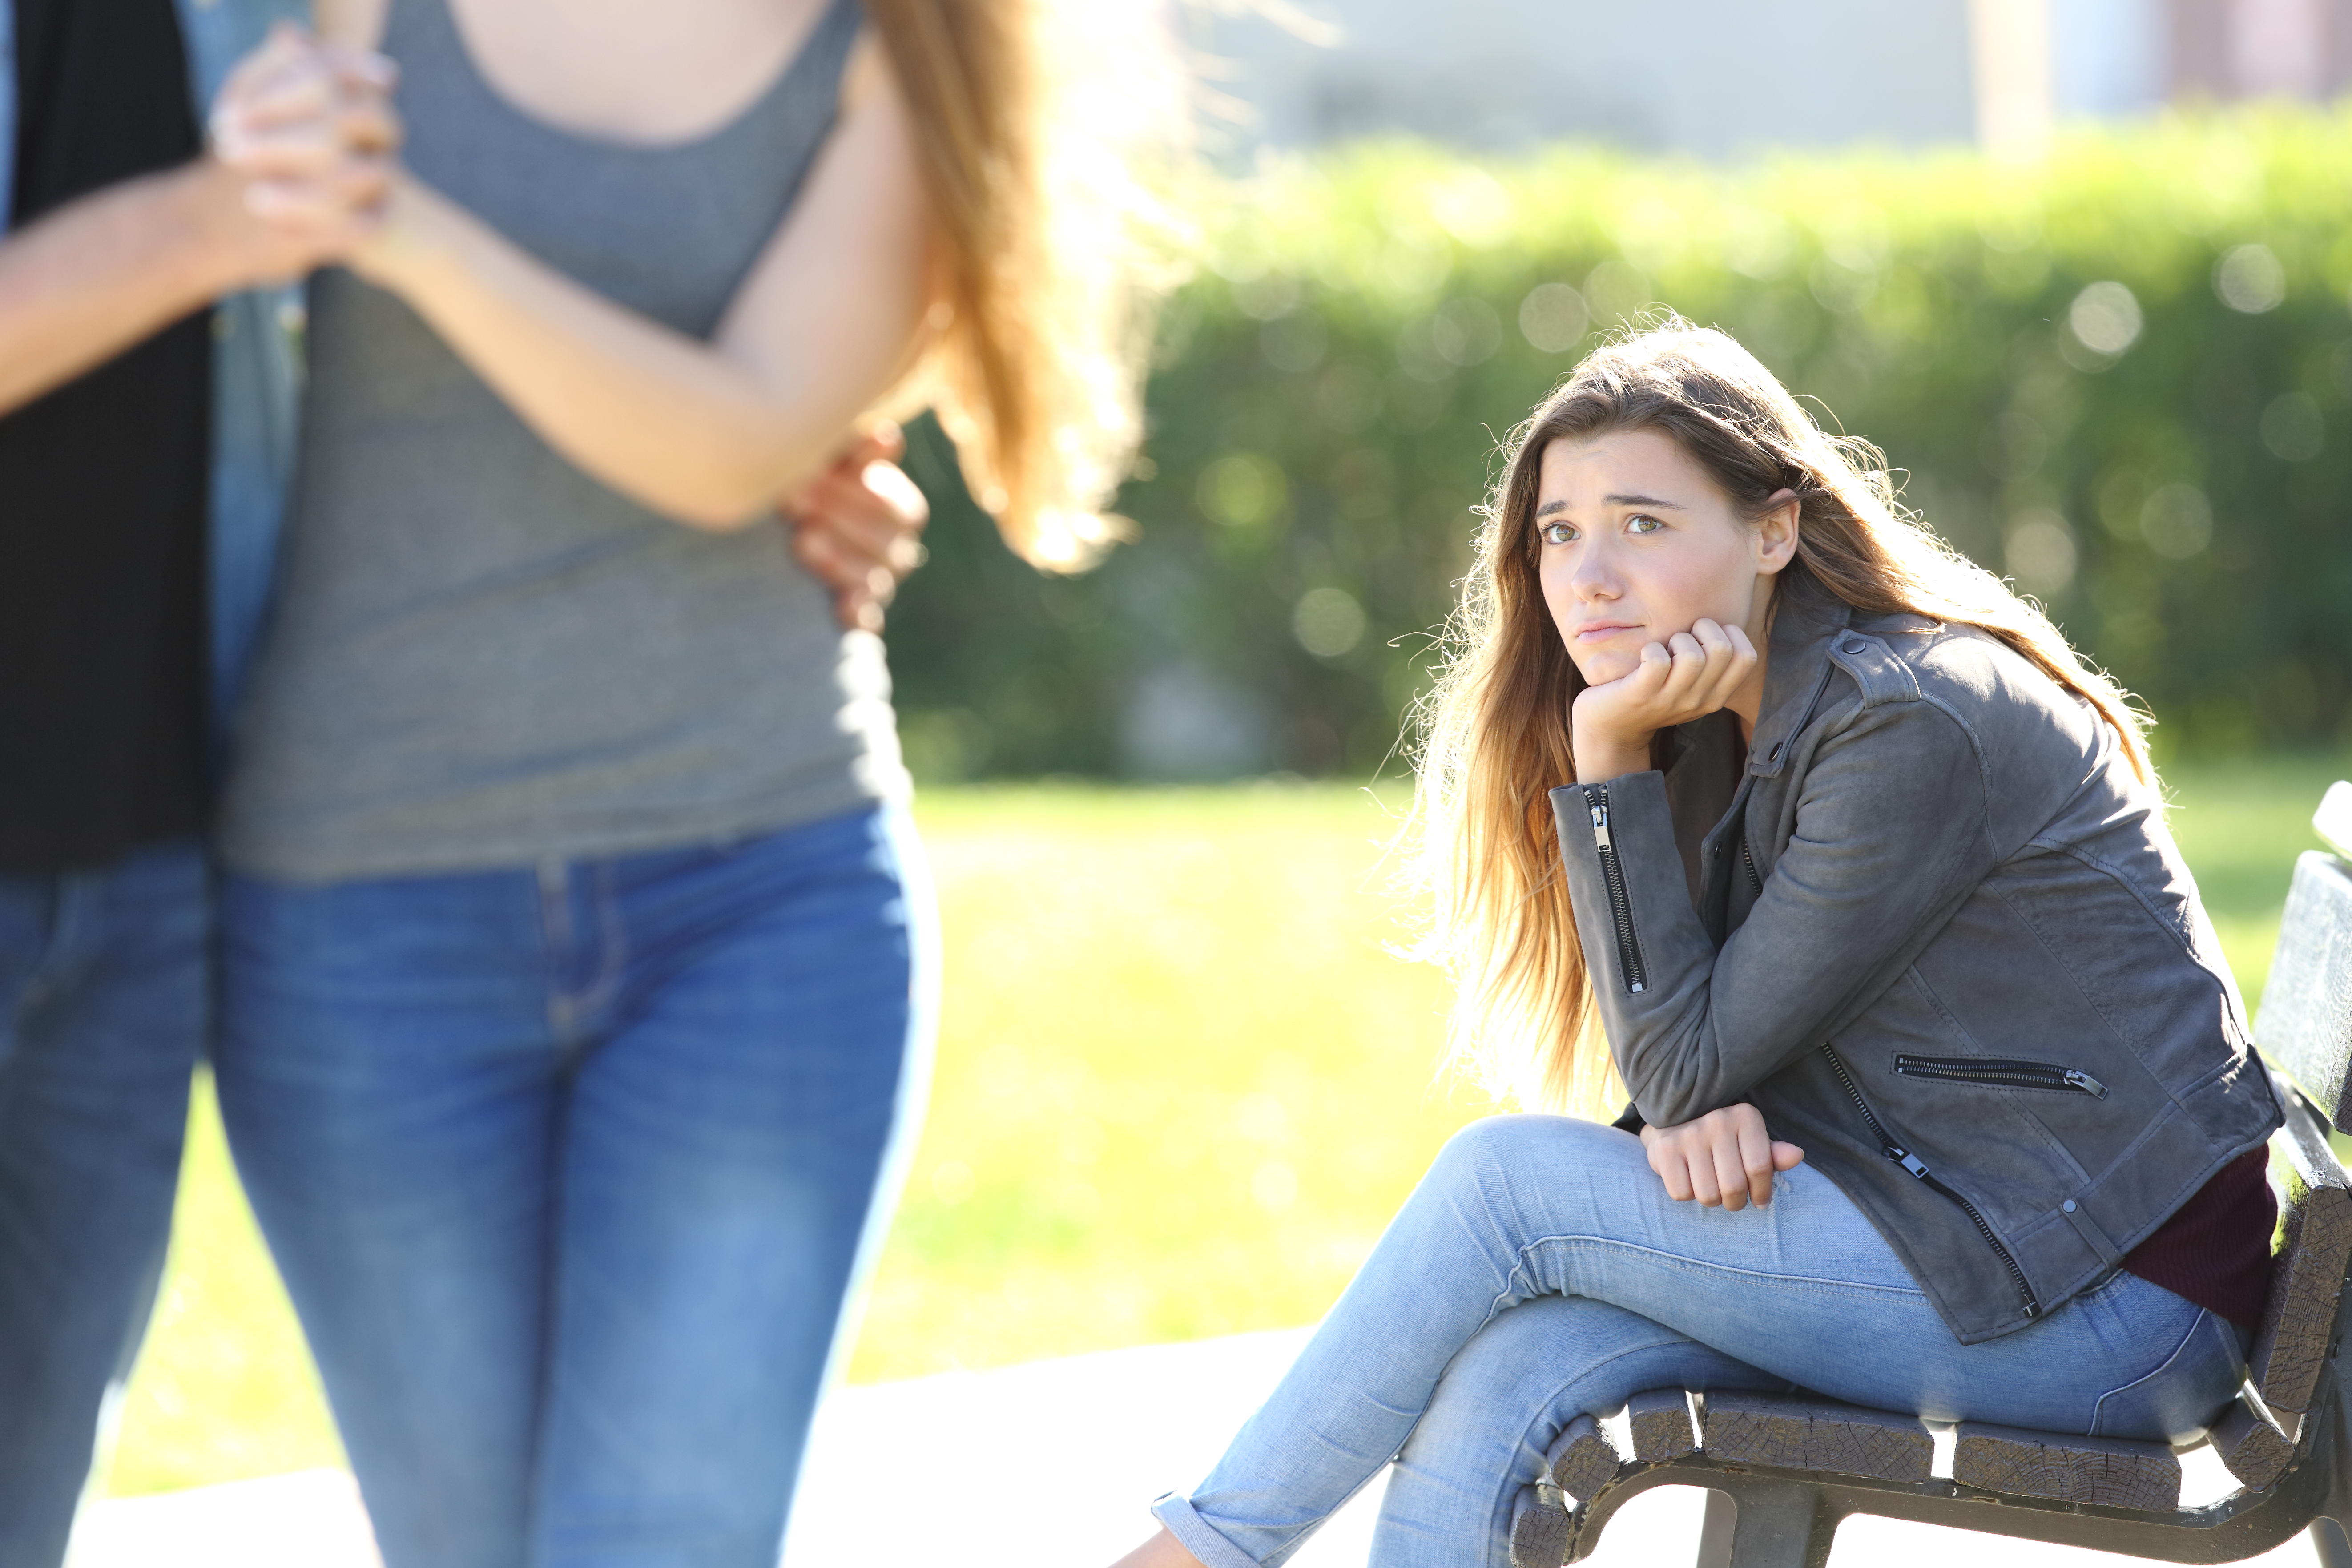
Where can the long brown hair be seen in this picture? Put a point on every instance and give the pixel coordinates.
(1496, 735)
(1035, 373)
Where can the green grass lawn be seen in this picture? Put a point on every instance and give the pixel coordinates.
(1181, 1085)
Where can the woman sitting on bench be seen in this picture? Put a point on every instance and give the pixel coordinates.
(1856, 877)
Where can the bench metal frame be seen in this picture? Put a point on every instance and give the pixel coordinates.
(2296, 1469)
(1762, 1517)
(1759, 1518)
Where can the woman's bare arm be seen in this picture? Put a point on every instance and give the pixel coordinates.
(829, 318)
(356, 24)
(99, 274)
(709, 433)
(95, 277)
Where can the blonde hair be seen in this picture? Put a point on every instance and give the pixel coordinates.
(1496, 733)
(1035, 374)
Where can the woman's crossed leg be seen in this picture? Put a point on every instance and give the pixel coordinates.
(1801, 1292)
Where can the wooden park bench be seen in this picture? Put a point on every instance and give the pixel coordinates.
(1781, 1473)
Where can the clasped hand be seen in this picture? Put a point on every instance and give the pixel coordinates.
(1688, 675)
(1725, 1159)
(310, 130)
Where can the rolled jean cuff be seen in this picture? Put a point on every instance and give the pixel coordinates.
(1197, 1535)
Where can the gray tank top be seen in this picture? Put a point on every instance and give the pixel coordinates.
(484, 658)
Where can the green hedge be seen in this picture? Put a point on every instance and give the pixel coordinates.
(2124, 377)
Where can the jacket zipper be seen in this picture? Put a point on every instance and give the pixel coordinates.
(1896, 1151)
(2005, 1072)
(1612, 875)
(1813, 703)
(1918, 1168)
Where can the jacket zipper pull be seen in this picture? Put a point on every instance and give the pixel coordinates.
(2077, 1079)
(1601, 826)
(1909, 1161)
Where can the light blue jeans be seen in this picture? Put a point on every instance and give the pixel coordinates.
(569, 1170)
(1539, 1272)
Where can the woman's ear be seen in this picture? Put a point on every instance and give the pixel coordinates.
(1774, 535)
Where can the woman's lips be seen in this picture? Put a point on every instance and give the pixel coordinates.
(1599, 629)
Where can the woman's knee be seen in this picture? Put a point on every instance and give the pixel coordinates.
(1538, 1366)
(1512, 1372)
(1509, 1392)
(1503, 1398)
(1514, 1145)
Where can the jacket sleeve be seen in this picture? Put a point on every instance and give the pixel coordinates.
(1891, 837)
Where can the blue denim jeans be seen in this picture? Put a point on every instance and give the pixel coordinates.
(570, 1171)
(104, 997)
(1540, 1272)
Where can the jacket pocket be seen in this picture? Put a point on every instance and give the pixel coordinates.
(1612, 877)
(1918, 1169)
(2002, 1072)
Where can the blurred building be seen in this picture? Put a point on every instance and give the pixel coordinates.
(1716, 78)
(2258, 48)
(1719, 79)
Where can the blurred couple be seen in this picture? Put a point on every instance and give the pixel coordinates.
(540, 879)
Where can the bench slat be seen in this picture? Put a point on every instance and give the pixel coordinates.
(2332, 820)
(2307, 1275)
(2256, 1452)
(1538, 1531)
(2306, 1024)
(1661, 1426)
(2103, 1470)
(1815, 1435)
(1582, 1459)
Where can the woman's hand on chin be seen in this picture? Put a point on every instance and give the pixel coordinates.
(1725, 1159)
(1690, 674)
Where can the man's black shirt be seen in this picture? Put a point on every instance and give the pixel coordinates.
(102, 483)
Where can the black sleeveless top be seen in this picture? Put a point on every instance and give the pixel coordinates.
(102, 483)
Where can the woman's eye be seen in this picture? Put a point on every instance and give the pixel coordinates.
(1559, 533)
(1639, 523)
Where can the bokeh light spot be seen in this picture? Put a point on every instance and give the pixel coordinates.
(1243, 489)
(2249, 278)
(1552, 317)
(2177, 522)
(2040, 552)
(2106, 319)
(2293, 428)
(1328, 622)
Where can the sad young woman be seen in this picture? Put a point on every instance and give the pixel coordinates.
(1746, 794)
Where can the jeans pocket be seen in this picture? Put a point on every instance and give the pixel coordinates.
(2183, 1395)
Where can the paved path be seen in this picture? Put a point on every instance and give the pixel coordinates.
(1043, 1466)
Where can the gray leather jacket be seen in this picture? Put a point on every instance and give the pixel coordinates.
(1937, 934)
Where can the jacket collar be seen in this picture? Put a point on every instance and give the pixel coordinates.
(1808, 615)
